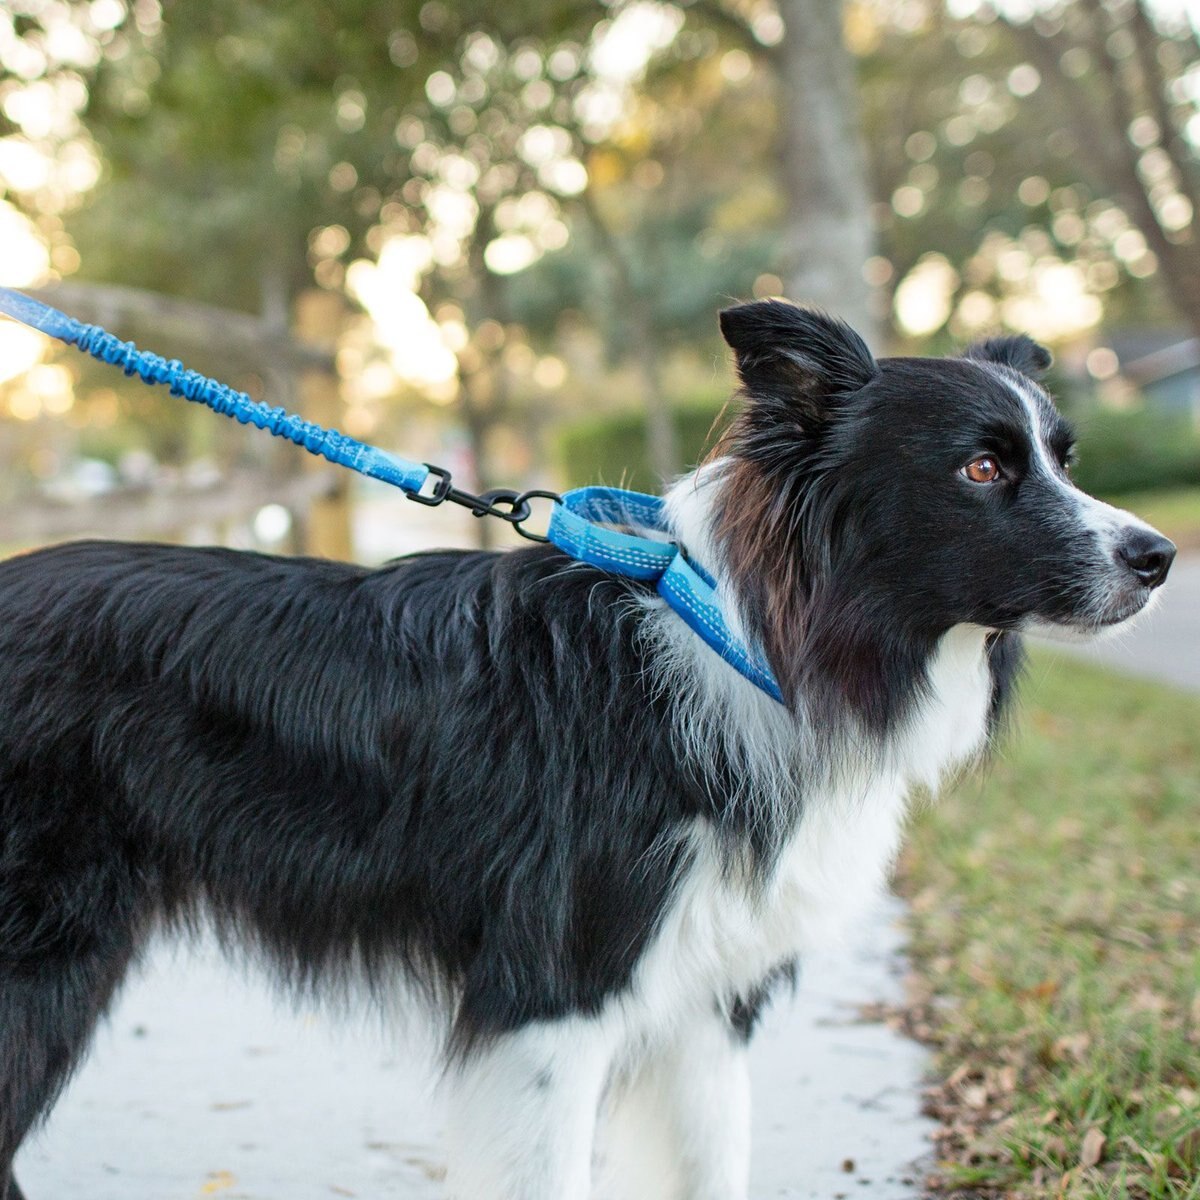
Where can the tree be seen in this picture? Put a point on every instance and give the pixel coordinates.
(1119, 71)
(250, 150)
(827, 233)
(1018, 180)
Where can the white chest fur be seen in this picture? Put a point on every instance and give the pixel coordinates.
(723, 934)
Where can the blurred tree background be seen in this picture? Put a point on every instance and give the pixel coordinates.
(497, 237)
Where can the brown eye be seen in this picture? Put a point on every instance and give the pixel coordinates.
(984, 469)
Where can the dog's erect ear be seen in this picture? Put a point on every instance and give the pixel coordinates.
(1017, 351)
(789, 353)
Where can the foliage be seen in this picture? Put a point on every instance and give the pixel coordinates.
(1173, 511)
(1135, 450)
(1031, 163)
(1056, 938)
(611, 448)
(239, 128)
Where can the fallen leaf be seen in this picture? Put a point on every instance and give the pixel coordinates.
(961, 1072)
(218, 1181)
(1072, 1045)
(1045, 991)
(1147, 1001)
(1092, 1149)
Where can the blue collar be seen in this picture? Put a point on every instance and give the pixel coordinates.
(579, 527)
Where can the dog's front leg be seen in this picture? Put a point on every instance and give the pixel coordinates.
(522, 1113)
(679, 1125)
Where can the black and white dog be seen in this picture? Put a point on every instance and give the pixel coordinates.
(522, 789)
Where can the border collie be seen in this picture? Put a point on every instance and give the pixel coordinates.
(522, 788)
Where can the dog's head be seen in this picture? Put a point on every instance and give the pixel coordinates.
(873, 504)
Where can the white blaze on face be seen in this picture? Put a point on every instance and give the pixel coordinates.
(1107, 522)
(1110, 525)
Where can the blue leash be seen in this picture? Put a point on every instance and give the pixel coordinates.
(580, 521)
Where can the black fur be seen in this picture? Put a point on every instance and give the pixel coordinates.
(460, 772)
(404, 769)
(746, 1011)
(854, 540)
(1018, 351)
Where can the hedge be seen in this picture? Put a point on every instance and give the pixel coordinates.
(612, 448)
(1135, 450)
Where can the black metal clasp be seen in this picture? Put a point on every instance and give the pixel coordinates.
(506, 503)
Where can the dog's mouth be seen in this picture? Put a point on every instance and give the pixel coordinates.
(1122, 615)
(1127, 612)
(1126, 601)
(1093, 620)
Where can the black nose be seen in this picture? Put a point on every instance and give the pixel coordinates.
(1148, 555)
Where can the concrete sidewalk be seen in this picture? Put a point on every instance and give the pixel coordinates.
(202, 1086)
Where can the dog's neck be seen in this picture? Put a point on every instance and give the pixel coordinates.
(946, 723)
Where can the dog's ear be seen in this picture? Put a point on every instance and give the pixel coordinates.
(796, 355)
(1018, 351)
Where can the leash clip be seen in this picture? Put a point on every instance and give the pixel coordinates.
(506, 503)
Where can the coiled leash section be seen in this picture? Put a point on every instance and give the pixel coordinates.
(581, 521)
(191, 385)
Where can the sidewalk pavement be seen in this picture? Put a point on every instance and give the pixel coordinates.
(202, 1085)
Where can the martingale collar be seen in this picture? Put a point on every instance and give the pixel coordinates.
(580, 527)
(580, 522)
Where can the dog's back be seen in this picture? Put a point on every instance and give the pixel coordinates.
(329, 763)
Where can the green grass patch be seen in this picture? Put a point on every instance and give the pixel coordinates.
(1174, 511)
(1056, 940)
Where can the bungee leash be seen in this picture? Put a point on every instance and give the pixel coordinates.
(580, 523)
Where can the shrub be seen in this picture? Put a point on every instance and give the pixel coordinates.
(1136, 450)
(612, 448)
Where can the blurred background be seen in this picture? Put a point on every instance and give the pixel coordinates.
(496, 237)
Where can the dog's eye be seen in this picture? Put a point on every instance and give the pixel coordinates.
(984, 469)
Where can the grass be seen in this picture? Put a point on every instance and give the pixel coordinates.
(1173, 511)
(1055, 935)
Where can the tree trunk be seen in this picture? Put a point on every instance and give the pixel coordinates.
(829, 234)
(662, 442)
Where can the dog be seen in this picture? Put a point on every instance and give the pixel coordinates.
(520, 791)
